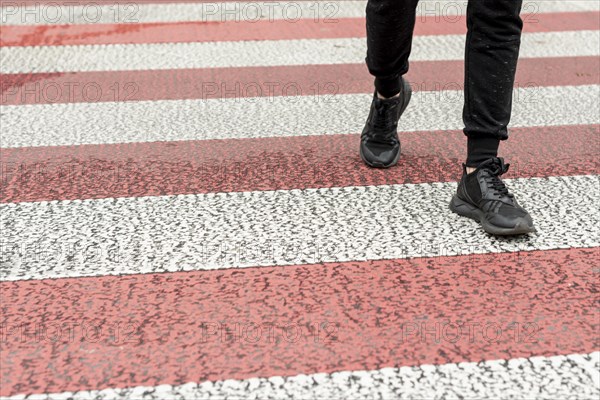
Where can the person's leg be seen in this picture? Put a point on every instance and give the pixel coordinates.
(492, 50)
(390, 25)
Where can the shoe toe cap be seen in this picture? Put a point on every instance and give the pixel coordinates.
(378, 155)
(519, 220)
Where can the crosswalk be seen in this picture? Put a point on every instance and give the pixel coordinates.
(185, 215)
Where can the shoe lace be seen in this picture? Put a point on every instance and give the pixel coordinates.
(384, 121)
(495, 169)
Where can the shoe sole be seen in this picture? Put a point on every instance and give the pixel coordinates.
(407, 97)
(465, 209)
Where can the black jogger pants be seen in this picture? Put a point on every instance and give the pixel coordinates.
(492, 49)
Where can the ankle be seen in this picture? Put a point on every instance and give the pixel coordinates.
(380, 96)
(470, 170)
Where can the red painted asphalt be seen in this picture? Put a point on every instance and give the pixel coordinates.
(372, 313)
(167, 168)
(322, 28)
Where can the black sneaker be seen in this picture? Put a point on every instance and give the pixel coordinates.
(379, 143)
(482, 196)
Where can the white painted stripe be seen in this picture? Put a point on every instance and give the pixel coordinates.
(154, 56)
(179, 12)
(173, 120)
(573, 376)
(72, 12)
(288, 227)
